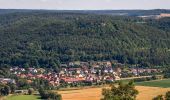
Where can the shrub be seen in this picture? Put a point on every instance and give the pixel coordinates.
(49, 95)
(30, 91)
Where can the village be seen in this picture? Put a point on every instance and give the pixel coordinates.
(75, 72)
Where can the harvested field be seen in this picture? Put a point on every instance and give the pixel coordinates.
(83, 94)
(145, 93)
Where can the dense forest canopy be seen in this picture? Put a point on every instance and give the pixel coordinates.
(44, 39)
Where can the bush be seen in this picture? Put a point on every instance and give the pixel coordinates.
(30, 91)
(49, 95)
(54, 96)
(167, 75)
(121, 92)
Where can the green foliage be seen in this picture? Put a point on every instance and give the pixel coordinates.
(164, 23)
(49, 95)
(42, 39)
(23, 84)
(166, 72)
(30, 91)
(39, 83)
(4, 71)
(12, 87)
(54, 96)
(4, 90)
(122, 92)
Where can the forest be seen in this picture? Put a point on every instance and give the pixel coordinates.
(46, 39)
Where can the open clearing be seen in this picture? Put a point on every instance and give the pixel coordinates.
(23, 97)
(145, 93)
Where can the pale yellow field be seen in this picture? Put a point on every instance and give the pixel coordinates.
(145, 93)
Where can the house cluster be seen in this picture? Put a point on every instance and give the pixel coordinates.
(89, 72)
(138, 71)
(36, 73)
(74, 72)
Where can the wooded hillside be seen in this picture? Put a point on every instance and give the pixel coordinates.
(43, 39)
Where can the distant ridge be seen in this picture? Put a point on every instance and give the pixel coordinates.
(100, 12)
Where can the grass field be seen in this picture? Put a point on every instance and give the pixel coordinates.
(23, 97)
(156, 83)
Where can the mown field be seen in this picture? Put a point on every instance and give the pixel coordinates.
(156, 83)
(23, 97)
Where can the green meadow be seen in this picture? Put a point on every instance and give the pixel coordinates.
(156, 83)
(23, 97)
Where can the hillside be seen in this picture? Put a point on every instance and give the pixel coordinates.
(43, 39)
